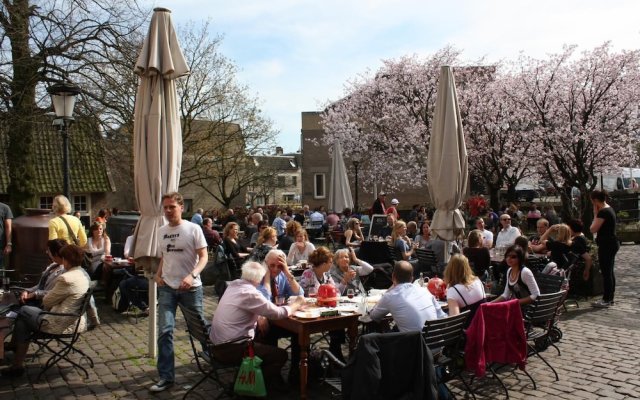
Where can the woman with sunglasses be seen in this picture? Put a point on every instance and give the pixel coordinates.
(353, 235)
(520, 283)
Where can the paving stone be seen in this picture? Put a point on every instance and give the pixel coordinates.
(599, 357)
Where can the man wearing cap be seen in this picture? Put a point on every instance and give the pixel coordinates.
(392, 210)
(378, 205)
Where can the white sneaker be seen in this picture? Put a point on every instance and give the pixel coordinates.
(601, 304)
(161, 386)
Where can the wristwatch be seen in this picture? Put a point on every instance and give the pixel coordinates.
(194, 275)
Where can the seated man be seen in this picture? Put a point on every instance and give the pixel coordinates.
(236, 316)
(388, 229)
(542, 225)
(409, 305)
(131, 288)
(211, 235)
(508, 234)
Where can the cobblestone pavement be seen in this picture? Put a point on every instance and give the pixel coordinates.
(600, 357)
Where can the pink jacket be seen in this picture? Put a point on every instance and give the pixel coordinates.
(496, 334)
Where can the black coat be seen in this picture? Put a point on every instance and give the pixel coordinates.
(390, 366)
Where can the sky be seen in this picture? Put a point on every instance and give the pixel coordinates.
(297, 56)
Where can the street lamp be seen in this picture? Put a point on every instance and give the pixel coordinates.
(63, 98)
(356, 164)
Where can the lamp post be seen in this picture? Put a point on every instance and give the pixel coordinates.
(356, 164)
(63, 98)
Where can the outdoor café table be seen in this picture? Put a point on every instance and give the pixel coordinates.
(305, 327)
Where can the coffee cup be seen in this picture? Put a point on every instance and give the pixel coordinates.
(108, 258)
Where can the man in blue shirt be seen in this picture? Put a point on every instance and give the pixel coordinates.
(279, 282)
(279, 225)
(410, 305)
(196, 218)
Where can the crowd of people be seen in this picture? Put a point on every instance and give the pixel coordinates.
(266, 289)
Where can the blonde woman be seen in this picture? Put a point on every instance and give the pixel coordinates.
(401, 241)
(97, 246)
(353, 235)
(464, 290)
(301, 248)
(64, 226)
(557, 241)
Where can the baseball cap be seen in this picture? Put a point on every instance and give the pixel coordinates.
(395, 201)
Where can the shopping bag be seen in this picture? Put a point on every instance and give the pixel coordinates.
(250, 381)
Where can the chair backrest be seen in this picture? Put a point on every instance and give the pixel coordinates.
(196, 325)
(445, 332)
(548, 283)
(394, 253)
(543, 309)
(427, 260)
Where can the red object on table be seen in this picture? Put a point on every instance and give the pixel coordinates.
(437, 288)
(327, 295)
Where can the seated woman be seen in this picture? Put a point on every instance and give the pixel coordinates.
(347, 270)
(402, 243)
(98, 245)
(520, 283)
(321, 261)
(266, 241)
(66, 296)
(33, 296)
(464, 290)
(560, 247)
(479, 256)
(232, 247)
(580, 246)
(301, 248)
(290, 230)
(353, 235)
(424, 236)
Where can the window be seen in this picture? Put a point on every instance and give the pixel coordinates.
(46, 202)
(294, 181)
(318, 186)
(188, 206)
(259, 201)
(80, 203)
(281, 181)
(288, 198)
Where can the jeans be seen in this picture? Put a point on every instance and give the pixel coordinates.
(135, 291)
(607, 257)
(168, 300)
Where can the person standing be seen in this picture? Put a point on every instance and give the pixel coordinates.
(378, 205)
(604, 226)
(184, 256)
(6, 218)
(64, 226)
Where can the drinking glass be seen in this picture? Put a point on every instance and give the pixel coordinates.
(313, 291)
(280, 300)
(351, 293)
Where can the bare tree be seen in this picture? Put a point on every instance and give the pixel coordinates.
(43, 42)
(222, 125)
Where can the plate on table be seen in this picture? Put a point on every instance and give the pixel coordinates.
(347, 308)
(307, 314)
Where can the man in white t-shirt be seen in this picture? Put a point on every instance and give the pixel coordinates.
(487, 235)
(508, 234)
(184, 256)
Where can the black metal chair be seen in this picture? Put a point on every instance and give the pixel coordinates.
(62, 345)
(427, 261)
(394, 254)
(539, 320)
(198, 330)
(445, 337)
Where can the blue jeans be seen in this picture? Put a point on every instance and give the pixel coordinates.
(168, 300)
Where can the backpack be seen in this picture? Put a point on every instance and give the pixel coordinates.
(118, 301)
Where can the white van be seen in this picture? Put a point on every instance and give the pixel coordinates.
(621, 181)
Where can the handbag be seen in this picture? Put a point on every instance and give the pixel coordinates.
(249, 381)
(88, 258)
